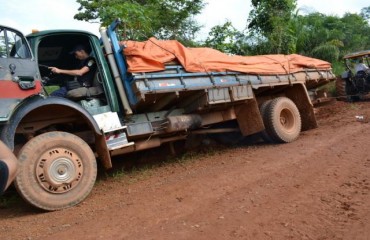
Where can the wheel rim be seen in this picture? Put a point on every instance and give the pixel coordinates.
(287, 120)
(59, 170)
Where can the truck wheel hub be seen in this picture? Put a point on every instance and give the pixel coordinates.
(287, 119)
(59, 170)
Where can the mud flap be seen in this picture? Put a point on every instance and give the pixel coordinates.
(103, 152)
(299, 95)
(249, 117)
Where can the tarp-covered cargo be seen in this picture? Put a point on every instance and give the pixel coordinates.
(151, 56)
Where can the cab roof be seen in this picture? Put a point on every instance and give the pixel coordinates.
(365, 53)
(37, 33)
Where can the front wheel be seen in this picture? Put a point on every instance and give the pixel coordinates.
(56, 170)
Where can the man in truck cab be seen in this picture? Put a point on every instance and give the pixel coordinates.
(83, 74)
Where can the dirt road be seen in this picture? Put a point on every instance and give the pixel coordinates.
(317, 187)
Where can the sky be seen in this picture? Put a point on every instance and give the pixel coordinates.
(49, 14)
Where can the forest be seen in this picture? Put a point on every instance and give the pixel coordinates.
(274, 27)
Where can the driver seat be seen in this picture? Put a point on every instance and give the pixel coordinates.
(87, 92)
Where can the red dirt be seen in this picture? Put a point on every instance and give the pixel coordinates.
(314, 188)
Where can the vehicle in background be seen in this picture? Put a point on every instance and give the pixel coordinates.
(354, 83)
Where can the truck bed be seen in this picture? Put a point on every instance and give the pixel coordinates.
(200, 72)
(176, 84)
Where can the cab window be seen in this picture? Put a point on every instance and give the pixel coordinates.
(3, 51)
(13, 45)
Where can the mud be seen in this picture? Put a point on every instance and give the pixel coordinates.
(316, 187)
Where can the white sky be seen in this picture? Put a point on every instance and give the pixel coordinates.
(237, 11)
(49, 14)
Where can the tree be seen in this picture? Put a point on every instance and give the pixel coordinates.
(325, 36)
(356, 33)
(164, 19)
(365, 13)
(223, 38)
(269, 23)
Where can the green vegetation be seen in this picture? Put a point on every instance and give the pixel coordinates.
(50, 89)
(164, 19)
(274, 27)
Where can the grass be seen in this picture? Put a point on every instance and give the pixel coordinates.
(134, 170)
(50, 89)
(117, 174)
(192, 155)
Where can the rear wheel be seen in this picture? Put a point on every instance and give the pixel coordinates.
(264, 134)
(340, 86)
(346, 88)
(56, 170)
(283, 121)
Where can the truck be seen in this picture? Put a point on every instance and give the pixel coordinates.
(60, 141)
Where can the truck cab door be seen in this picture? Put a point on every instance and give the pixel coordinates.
(19, 77)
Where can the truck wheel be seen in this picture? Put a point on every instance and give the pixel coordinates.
(56, 170)
(340, 86)
(283, 120)
(351, 91)
(264, 134)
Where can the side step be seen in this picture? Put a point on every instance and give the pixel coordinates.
(115, 133)
(117, 139)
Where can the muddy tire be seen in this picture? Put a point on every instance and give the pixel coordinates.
(57, 170)
(283, 121)
(264, 134)
(340, 86)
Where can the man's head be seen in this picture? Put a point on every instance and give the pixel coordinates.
(360, 60)
(80, 52)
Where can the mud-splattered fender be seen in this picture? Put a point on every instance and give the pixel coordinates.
(28, 105)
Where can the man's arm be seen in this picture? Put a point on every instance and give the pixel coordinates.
(74, 72)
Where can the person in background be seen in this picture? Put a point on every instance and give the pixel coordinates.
(84, 73)
(361, 66)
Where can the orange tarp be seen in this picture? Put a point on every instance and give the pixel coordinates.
(151, 56)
